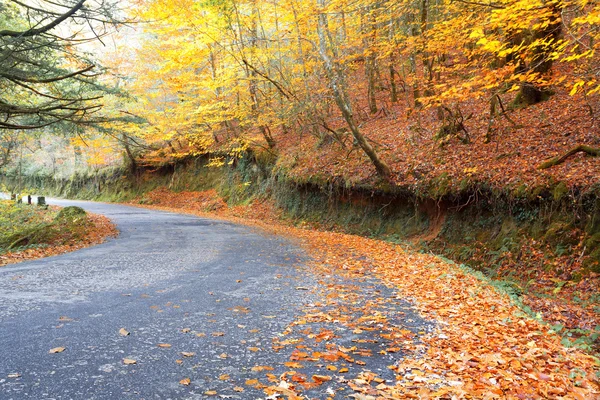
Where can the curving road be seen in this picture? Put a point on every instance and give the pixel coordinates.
(217, 291)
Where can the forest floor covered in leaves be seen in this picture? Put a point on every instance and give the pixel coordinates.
(30, 232)
(483, 344)
(503, 152)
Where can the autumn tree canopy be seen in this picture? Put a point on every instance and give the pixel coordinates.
(237, 73)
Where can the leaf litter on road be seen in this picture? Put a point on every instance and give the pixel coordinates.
(480, 344)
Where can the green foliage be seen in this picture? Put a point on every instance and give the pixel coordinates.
(71, 213)
(23, 226)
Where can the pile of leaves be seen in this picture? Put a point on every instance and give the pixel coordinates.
(29, 232)
(482, 346)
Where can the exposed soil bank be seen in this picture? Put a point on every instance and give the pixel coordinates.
(542, 245)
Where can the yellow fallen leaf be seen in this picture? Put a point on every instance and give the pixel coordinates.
(224, 377)
(56, 350)
(123, 332)
(343, 370)
(332, 367)
(185, 381)
(129, 361)
(211, 393)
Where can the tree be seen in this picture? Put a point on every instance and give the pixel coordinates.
(338, 85)
(44, 78)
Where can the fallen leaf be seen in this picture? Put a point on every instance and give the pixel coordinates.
(188, 354)
(217, 334)
(56, 350)
(211, 393)
(14, 375)
(254, 349)
(258, 368)
(185, 381)
(238, 389)
(224, 377)
(164, 345)
(293, 364)
(129, 361)
(321, 378)
(185, 330)
(123, 332)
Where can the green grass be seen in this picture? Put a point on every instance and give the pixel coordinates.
(26, 226)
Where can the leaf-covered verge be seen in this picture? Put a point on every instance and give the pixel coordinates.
(28, 232)
(483, 344)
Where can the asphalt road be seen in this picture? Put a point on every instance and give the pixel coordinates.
(219, 292)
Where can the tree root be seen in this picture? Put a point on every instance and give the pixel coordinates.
(592, 151)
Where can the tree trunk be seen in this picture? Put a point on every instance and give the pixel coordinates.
(541, 63)
(392, 61)
(340, 94)
(369, 35)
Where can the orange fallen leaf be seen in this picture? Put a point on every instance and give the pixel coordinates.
(258, 368)
(185, 381)
(188, 354)
(238, 389)
(321, 378)
(164, 345)
(293, 364)
(211, 393)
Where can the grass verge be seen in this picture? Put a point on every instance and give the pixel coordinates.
(28, 232)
